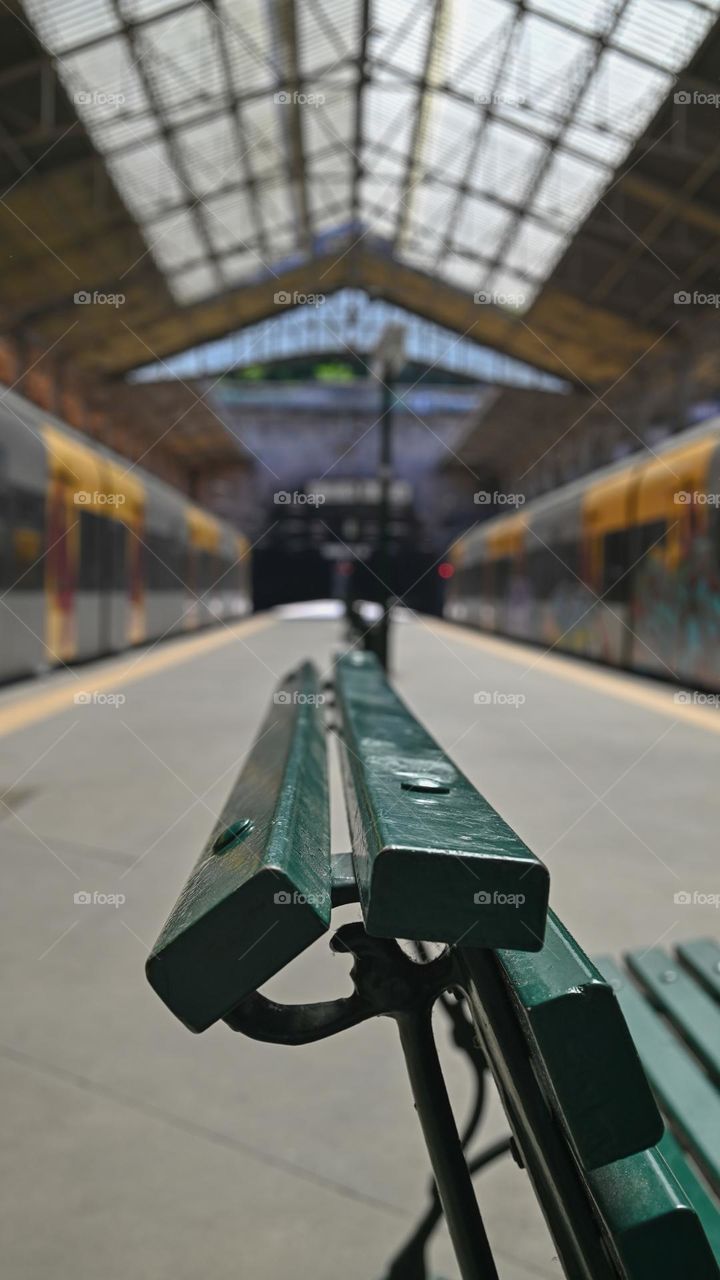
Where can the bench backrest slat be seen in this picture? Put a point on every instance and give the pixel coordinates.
(260, 890)
(433, 859)
(577, 1033)
(651, 1224)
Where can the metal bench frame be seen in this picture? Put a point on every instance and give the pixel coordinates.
(545, 1024)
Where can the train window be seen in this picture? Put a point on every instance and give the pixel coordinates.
(25, 565)
(91, 542)
(616, 563)
(502, 576)
(647, 537)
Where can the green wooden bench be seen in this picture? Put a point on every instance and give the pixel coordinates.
(561, 1037)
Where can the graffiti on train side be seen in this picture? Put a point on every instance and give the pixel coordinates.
(676, 613)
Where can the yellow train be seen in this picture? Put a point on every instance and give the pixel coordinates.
(96, 555)
(622, 565)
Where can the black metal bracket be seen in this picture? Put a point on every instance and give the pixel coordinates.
(386, 981)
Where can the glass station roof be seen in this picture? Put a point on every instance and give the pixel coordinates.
(346, 324)
(469, 138)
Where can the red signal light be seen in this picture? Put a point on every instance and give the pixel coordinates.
(446, 570)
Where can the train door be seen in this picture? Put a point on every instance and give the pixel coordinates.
(123, 571)
(23, 482)
(61, 572)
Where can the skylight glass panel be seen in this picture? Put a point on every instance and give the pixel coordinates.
(327, 34)
(380, 202)
(666, 31)
(119, 133)
(506, 162)
(229, 220)
(330, 120)
(535, 249)
(428, 206)
(569, 190)
(147, 179)
(476, 44)
(481, 226)
(174, 241)
(195, 283)
(245, 26)
(622, 94)
(237, 267)
(591, 16)
(179, 56)
(141, 10)
(464, 272)
(544, 66)
(63, 24)
(450, 135)
(263, 146)
(209, 155)
(103, 82)
(402, 28)
(598, 143)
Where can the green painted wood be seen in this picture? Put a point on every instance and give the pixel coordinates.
(433, 860)
(691, 1010)
(579, 1038)
(702, 957)
(260, 891)
(704, 1204)
(651, 1225)
(558, 1181)
(682, 1087)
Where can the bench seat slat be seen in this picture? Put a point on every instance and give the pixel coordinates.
(254, 902)
(433, 859)
(702, 957)
(579, 1036)
(691, 1010)
(685, 1092)
(650, 1221)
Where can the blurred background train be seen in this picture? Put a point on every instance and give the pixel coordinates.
(96, 555)
(622, 565)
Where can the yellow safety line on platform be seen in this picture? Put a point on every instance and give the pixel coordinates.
(48, 702)
(577, 672)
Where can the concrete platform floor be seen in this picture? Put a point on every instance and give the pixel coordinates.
(131, 1148)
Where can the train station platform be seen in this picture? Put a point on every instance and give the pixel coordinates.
(132, 1148)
